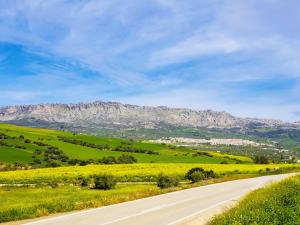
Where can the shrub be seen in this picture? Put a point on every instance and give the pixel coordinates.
(73, 162)
(197, 176)
(109, 160)
(104, 182)
(207, 174)
(126, 159)
(165, 181)
(210, 174)
(27, 141)
(37, 152)
(37, 161)
(191, 171)
(83, 181)
(52, 164)
(261, 159)
(83, 162)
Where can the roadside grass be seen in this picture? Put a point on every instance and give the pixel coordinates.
(278, 203)
(23, 203)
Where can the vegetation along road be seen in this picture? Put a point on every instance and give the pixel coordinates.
(172, 208)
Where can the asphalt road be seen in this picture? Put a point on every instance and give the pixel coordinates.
(167, 209)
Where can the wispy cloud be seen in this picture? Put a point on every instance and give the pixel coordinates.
(196, 46)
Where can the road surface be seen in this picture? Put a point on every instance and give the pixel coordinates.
(174, 208)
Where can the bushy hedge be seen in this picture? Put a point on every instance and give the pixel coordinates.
(123, 159)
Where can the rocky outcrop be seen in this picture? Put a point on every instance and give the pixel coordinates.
(112, 114)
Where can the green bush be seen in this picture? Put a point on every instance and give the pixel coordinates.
(126, 159)
(108, 160)
(210, 174)
(104, 182)
(200, 173)
(197, 176)
(83, 181)
(165, 181)
(191, 171)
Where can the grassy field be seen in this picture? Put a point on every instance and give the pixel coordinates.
(21, 144)
(128, 172)
(275, 204)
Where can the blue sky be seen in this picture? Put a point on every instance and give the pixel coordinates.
(238, 56)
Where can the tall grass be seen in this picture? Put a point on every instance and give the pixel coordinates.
(275, 204)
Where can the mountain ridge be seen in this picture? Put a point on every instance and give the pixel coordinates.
(115, 114)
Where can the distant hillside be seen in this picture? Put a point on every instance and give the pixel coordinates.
(51, 148)
(99, 115)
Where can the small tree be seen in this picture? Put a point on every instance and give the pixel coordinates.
(165, 181)
(104, 182)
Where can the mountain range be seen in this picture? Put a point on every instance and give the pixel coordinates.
(111, 115)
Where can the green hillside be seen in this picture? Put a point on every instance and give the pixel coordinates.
(51, 148)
